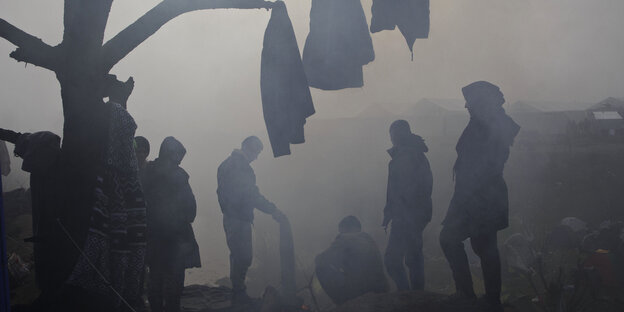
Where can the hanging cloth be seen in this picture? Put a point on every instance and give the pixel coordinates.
(286, 99)
(338, 45)
(411, 16)
(112, 257)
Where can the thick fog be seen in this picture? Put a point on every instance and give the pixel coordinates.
(198, 79)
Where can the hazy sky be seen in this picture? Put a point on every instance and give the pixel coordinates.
(198, 77)
(204, 66)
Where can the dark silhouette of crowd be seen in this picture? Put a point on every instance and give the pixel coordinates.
(147, 208)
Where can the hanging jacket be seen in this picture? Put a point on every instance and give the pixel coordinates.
(115, 242)
(338, 45)
(286, 99)
(411, 16)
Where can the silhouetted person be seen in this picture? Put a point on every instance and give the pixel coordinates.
(238, 196)
(142, 150)
(40, 152)
(479, 207)
(408, 206)
(352, 265)
(171, 208)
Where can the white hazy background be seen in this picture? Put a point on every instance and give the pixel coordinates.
(198, 80)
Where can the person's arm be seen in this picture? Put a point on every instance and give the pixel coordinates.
(261, 203)
(9, 136)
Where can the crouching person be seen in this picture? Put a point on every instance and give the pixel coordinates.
(352, 265)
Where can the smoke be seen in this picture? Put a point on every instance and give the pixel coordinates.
(198, 79)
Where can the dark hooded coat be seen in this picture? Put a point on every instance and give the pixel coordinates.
(171, 207)
(410, 182)
(237, 190)
(480, 201)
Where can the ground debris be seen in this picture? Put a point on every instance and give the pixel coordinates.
(203, 298)
(399, 302)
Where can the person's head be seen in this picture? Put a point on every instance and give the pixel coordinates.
(251, 147)
(399, 131)
(349, 224)
(482, 99)
(172, 150)
(142, 149)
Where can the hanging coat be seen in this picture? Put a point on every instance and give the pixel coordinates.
(411, 16)
(115, 243)
(338, 45)
(286, 99)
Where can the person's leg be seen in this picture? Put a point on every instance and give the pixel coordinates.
(415, 260)
(155, 287)
(451, 241)
(239, 240)
(174, 287)
(395, 256)
(485, 246)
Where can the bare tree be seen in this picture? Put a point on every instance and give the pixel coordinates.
(82, 61)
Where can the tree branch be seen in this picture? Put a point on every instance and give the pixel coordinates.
(132, 36)
(30, 49)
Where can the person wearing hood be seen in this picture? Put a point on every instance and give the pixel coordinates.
(171, 244)
(408, 206)
(238, 195)
(479, 207)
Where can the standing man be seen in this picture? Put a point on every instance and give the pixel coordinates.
(142, 150)
(238, 196)
(408, 206)
(479, 207)
(171, 208)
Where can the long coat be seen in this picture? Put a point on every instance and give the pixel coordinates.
(480, 202)
(171, 208)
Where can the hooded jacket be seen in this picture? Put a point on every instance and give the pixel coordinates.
(237, 190)
(171, 206)
(480, 197)
(410, 182)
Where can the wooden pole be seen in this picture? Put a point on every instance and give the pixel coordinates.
(5, 305)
